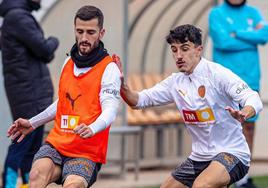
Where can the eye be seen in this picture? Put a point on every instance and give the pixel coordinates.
(79, 31)
(184, 49)
(91, 32)
(174, 50)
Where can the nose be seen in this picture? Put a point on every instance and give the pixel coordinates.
(84, 37)
(178, 55)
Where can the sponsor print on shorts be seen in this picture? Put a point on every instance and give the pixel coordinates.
(198, 116)
(69, 122)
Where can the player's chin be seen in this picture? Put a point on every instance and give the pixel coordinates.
(85, 51)
(181, 69)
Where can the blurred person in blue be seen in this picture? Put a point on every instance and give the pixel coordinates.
(236, 30)
(29, 89)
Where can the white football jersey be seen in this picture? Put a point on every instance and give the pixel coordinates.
(201, 98)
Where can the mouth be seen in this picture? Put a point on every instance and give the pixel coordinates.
(85, 45)
(84, 48)
(180, 63)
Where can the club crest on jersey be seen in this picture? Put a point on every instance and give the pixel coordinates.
(69, 122)
(197, 116)
(202, 91)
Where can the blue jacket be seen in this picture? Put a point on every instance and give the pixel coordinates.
(25, 54)
(239, 53)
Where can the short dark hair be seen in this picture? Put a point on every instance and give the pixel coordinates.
(88, 12)
(184, 33)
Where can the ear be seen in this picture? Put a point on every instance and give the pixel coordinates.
(102, 32)
(199, 51)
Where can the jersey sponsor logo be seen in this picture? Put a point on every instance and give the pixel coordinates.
(241, 88)
(205, 115)
(69, 122)
(113, 92)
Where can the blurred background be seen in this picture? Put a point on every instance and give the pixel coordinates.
(136, 30)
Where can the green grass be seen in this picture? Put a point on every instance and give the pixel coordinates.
(260, 181)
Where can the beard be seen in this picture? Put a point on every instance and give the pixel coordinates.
(84, 48)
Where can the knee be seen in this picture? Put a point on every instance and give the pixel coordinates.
(34, 174)
(165, 184)
(74, 185)
(171, 182)
(33, 178)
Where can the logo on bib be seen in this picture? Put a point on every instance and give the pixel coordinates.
(197, 116)
(69, 122)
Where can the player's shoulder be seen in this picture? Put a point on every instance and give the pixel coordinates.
(112, 69)
(112, 66)
(214, 69)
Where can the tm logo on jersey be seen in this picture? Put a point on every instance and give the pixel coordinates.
(205, 115)
(69, 122)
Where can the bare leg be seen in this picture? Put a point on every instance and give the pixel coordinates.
(75, 181)
(214, 176)
(43, 172)
(248, 130)
(170, 182)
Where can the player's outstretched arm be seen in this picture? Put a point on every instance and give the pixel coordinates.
(129, 96)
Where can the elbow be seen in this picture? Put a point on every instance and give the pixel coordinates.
(50, 47)
(131, 104)
(261, 106)
(258, 107)
(222, 46)
(134, 107)
(263, 42)
(131, 100)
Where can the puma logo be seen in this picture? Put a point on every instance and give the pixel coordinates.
(182, 92)
(68, 96)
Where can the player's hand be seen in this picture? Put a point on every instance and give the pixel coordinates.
(233, 34)
(117, 61)
(259, 26)
(83, 130)
(19, 129)
(237, 114)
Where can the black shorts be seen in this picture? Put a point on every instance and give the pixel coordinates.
(70, 165)
(187, 172)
